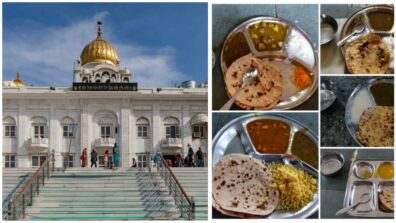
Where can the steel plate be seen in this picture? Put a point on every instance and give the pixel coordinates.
(354, 126)
(362, 17)
(233, 138)
(373, 185)
(298, 48)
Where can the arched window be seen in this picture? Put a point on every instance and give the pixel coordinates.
(143, 127)
(113, 78)
(39, 126)
(125, 80)
(85, 80)
(107, 122)
(172, 127)
(9, 124)
(105, 77)
(97, 78)
(68, 127)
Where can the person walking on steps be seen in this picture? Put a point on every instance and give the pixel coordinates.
(199, 155)
(133, 162)
(84, 158)
(94, 158)
(116, 155)
(106, 159)
(190, 155)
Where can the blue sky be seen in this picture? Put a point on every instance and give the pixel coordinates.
(162, 44)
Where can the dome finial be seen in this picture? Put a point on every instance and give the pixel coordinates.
(99, 29)
(18, 82)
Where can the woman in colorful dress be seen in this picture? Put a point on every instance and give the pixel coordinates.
(116, 155)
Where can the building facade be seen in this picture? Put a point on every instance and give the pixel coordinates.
(103, 107)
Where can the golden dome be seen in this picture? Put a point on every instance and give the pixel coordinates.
(99, 50)
(18, 82)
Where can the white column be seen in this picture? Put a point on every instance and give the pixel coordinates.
(133, 134)
(53, 137)
(123, 132)
(23, 136)
(156, 128)
(84, 130)
(186, 129)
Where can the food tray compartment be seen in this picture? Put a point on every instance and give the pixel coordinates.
(363, 170)
(359, 188)
(384, 185)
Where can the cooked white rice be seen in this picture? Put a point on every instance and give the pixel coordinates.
(390, 44)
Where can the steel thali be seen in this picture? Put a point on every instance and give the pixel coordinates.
(233, 138)
(376, 19)
(372, 184)
(297, 50)
(352, 115)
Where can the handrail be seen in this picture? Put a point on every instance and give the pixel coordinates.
(173, 183)
(25, 196)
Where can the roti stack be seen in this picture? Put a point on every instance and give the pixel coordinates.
(386, 199)
(264, 93)
(376, 127)
(242, 187)
(367, 55)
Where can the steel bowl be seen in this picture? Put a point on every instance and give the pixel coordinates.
(326, 22)
(331, 163)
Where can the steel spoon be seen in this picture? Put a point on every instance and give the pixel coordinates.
(362, 200)
(359, 29)
(247, 79)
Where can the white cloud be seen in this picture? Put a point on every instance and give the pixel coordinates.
(45, 56)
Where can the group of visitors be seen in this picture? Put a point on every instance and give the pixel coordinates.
(108, 163)
(193, 159)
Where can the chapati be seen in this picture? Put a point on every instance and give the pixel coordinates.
(243, 185)
(367, 55)
(376, 127)
(386, 199)
(264, 93)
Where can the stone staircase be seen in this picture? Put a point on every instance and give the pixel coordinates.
(98, 194)
(13, 180)
(195, 183)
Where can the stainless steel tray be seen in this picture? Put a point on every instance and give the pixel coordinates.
(353, 126)
(233, 138)
(373, 185)
(298, 47)
(361, 17)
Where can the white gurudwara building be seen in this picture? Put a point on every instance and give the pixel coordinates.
(102, 107)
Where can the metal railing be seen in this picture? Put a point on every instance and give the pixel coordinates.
(182, 200)
(17, 207)
(13, 193)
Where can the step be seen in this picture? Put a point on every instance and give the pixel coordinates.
(110, 199)
(103, 216)
(98, 204)
(109, 210)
